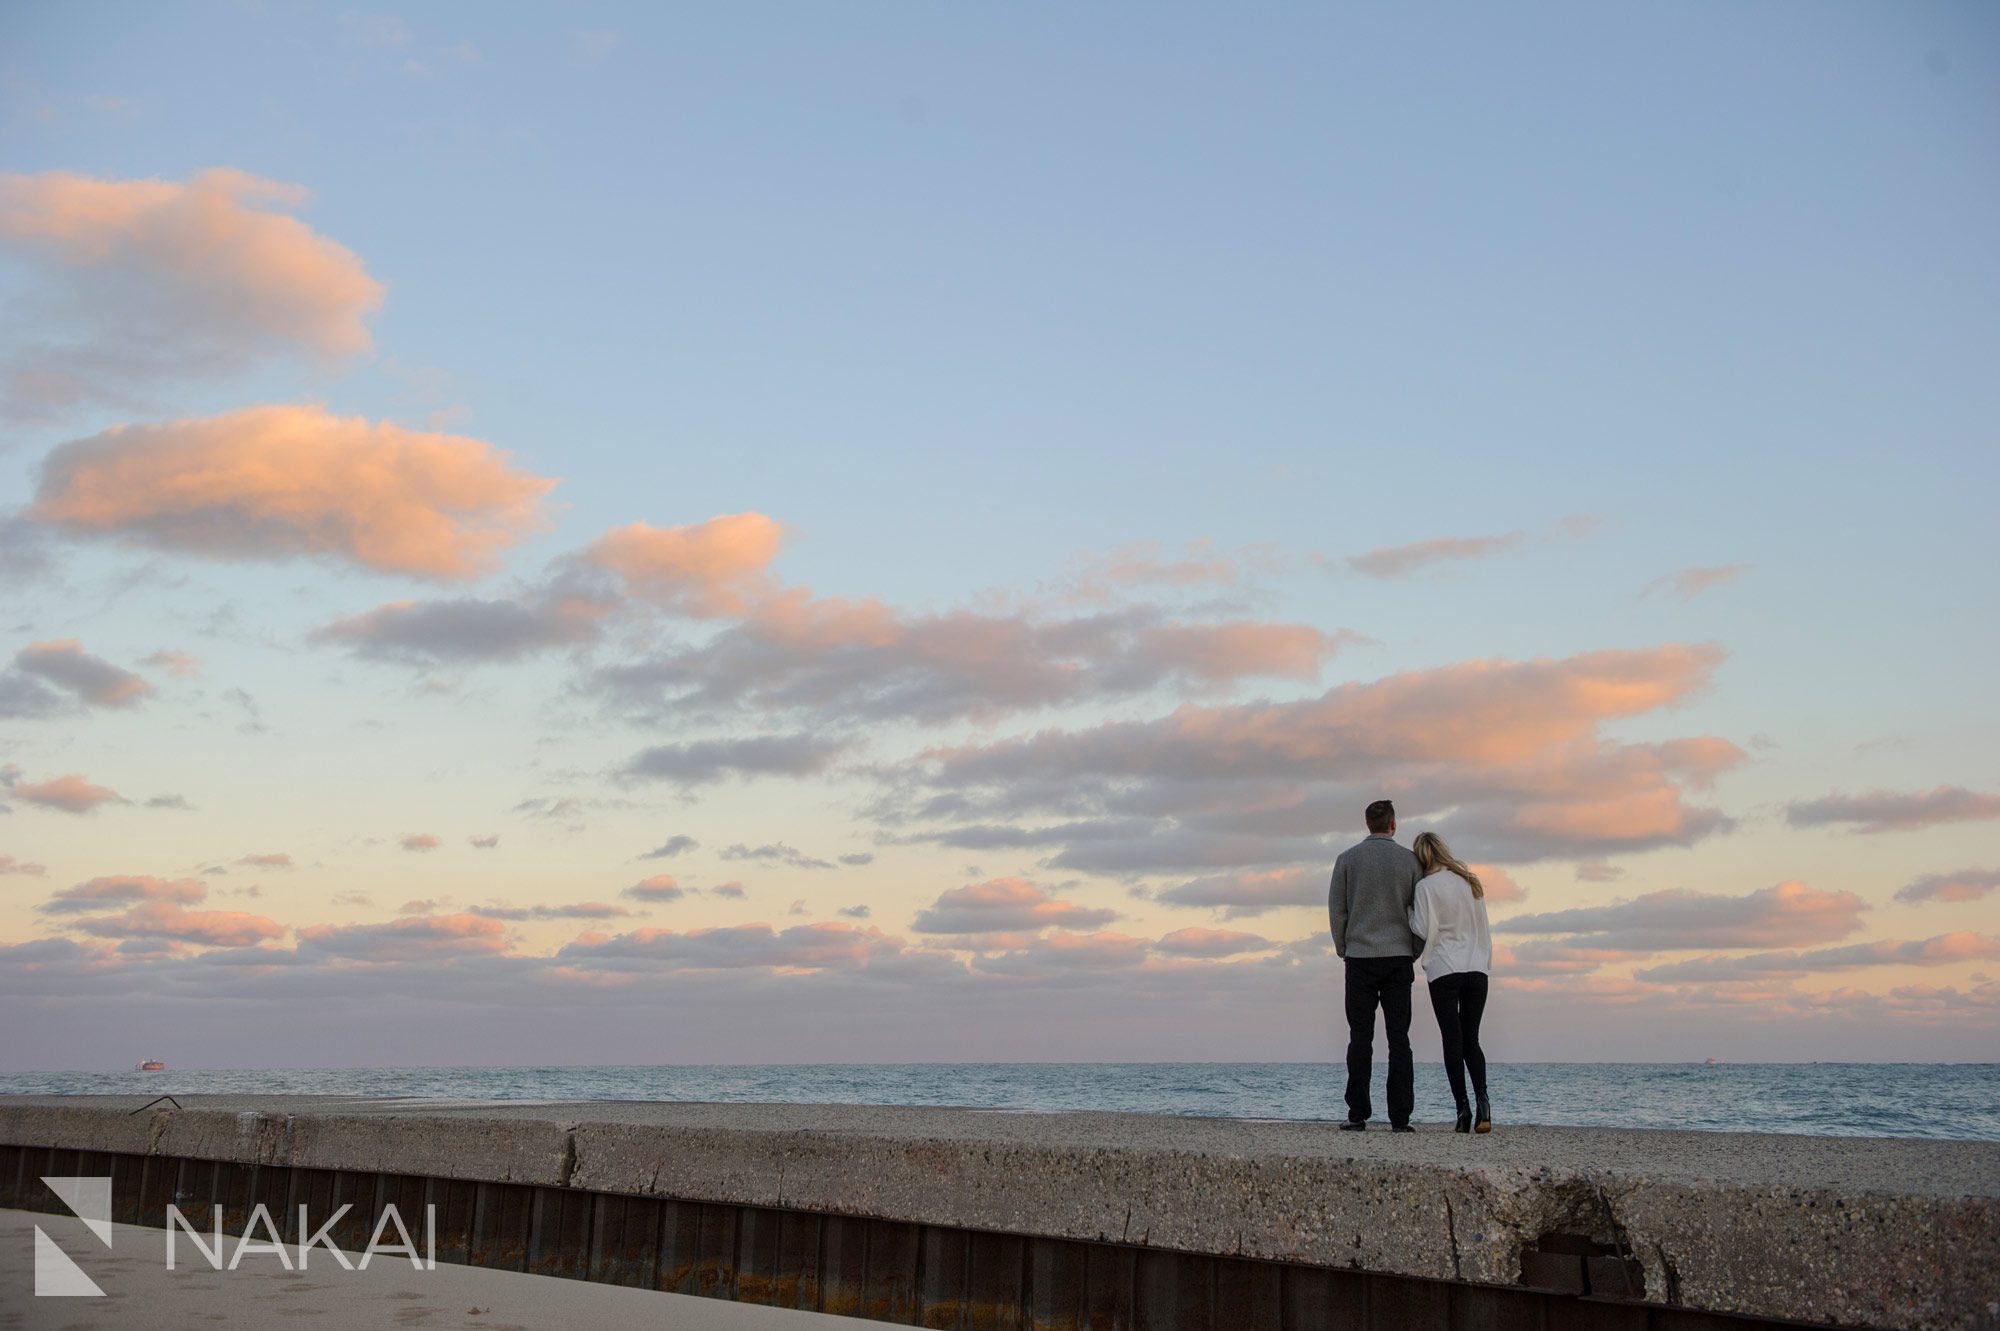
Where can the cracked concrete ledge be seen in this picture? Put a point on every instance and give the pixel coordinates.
(1844, 1231)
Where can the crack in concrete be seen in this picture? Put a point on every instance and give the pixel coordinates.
(157, 1130)
(568, 1159)
(1451, 1228)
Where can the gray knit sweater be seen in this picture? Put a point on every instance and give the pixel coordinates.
(1368, 902)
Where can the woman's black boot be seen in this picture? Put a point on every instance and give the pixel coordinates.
(1464, 1118)
(1483, 1120)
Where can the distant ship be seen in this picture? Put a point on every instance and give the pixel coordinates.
(1713, 1062)
(151, 1065)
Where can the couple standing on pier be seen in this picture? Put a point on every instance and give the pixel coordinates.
(1393, 910)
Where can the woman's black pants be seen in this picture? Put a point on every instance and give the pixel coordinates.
(1459, 1001)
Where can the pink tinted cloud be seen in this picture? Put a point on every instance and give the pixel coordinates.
(214, 243)
(1400, 561)
(1964, 885)
(1211, 943)
(419, 842)
(661, 887)
(1479, 713)
(171, 921)
(706, 570)
(1240, 649)
(1499, 885)
(1512, 749)
(143, 280)
(1145, 563)
(177, 664)
(274, 860)
(1004, 904)
(1543, 958)
(581, 910)
(843, 659)
(1786, 915)
(827, 946)
(28, 868)
(1251, 891)
(91, 678)
(110, 893)
(1896, 811)
(69, 793)
(1065, 951)
(412, 938)
(1944, 950)
(274, 482)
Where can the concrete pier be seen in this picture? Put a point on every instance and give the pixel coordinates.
(956, 1217)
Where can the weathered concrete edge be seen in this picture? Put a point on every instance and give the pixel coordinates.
(1921, 1263)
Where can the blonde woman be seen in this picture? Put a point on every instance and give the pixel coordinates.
(1449, 914)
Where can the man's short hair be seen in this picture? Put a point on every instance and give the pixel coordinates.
(1381, 816)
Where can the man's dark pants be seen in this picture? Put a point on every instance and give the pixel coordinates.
(1384, 982)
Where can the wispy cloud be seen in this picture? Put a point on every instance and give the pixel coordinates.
(1786, 915)
(706, 761)
(1896, 811)
(1251, 891)
(70, 793)
(1963, 885)
(1400, 561)
(1692, 582)
(858, 661)
(582, 910)
(1211, 943)
(775, 852)
(468, 629)
(658, 888)
(1004, 905)
(416, 938)
(91, 679)
(1943, 950)
(1511, 749)
(124, 890)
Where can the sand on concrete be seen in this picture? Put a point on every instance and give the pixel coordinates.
(141, 1293)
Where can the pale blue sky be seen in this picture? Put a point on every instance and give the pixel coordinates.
(966, 295)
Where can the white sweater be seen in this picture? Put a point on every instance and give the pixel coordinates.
(1452, 923)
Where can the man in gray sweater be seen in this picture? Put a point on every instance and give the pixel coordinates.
(1368, 905)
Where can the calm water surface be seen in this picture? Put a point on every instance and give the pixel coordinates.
(1847, 1099)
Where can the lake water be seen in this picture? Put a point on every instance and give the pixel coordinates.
(1847, 1099)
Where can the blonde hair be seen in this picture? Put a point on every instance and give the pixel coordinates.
(1432, 855)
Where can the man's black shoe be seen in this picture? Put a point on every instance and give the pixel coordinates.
(1355, 1125)
(1401, 1127)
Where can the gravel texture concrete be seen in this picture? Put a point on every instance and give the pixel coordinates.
(1849, 1231)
